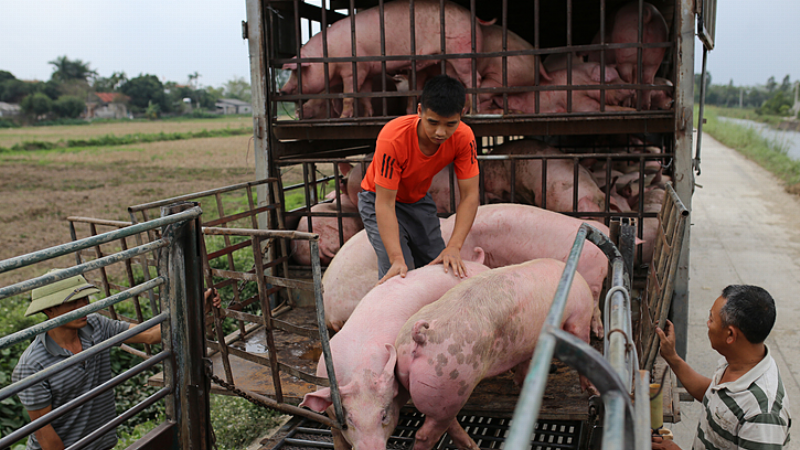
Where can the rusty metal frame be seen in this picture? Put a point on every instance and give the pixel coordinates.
(657, 297)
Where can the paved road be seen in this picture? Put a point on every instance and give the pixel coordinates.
(745, 230)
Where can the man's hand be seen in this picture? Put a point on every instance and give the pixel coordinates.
(667, 336)
(664, 444)
(398, 268)
(212, 295)
(451, 257)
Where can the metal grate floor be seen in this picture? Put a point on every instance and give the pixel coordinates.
(488, 432)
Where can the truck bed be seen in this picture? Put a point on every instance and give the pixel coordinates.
(494, 397)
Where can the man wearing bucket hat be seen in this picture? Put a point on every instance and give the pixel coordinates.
(59, 344)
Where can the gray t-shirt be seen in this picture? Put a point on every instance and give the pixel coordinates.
(72, 383)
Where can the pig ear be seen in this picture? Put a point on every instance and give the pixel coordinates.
(543, 72)
(345, 168)
(318, 401)
(611, 74)
(392, 362)
(290, 66)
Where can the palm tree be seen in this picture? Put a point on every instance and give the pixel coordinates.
(66, 69)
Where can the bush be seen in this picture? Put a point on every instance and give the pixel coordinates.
(238, 422)
(7, 123)
(69, 106)
(37, 104)
(12, 413)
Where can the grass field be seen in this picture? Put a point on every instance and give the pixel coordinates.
(42, 188)
(12, 136)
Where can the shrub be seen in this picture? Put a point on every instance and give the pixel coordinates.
(69, 106)
(37, 104)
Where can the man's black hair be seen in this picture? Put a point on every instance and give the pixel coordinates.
(444, 95)
(750, 309)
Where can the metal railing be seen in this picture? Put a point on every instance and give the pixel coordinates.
(178, 282)
(612, 375)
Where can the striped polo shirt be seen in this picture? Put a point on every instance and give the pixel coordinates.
(749, 413)
(71, 383)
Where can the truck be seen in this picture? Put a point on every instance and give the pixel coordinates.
(265, 344)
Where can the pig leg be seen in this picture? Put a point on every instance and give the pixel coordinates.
(347, 81)
(521, 371)
(431, 431)
(460, 437)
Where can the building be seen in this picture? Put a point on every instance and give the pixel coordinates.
(9, 109)
(233, 106)
(107, 105)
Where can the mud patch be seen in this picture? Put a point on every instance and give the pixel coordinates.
(793, 189)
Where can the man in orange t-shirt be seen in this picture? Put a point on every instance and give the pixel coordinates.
(398, 213)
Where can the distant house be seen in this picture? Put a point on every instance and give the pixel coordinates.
(9, 110)
(107, 105)
(233, 106)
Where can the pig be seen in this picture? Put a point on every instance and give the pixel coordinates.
(364, 355)
(351, 274)
(483, 327)
(653, 199)
(528, 185)
(625, 29)
(661, 99)
(348, 278)
(328, 230)
(556, 101)
(316, 109)
(513, 234)
(396, 20)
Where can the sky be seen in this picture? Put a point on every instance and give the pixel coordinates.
(173, 38)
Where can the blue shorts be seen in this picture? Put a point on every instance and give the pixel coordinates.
(418, 224)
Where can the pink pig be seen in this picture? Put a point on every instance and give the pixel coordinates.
(485, 326)
(328, 230)
(529, 174)
(513, 234)
(364, 355)
(396, 22)
(555, 101)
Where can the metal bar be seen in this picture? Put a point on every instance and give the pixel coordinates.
(316, 272)
(93, 220)
(249, 213)
(121, 418)
(614, 425)
(17, 387)
(261, 233)
(131, 282)
(195, 195)
(72, 404)
(266, 312)
(696, 160)
(642, 410)
(49, 278)
(98, 254)
(82, 244)
(31, 332)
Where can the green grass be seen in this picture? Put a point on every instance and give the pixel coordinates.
(744, 113)
(769, 154)
(114, 140)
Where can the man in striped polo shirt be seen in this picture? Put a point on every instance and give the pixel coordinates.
(61, 343)
(746, 406)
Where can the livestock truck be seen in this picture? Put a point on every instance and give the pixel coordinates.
(305, 146)
(601, 105)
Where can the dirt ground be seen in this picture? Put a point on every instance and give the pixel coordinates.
(41, 189)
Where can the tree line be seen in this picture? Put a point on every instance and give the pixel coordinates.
(72, 82)
(771, 98)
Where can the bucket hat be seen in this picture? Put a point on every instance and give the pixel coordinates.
(60, 292)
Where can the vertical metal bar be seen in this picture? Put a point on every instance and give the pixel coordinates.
(316, 272)
(337, 189)
(354, 53)
(513, 179)
(132, 282)
(544, 183)
(602, 54)
(74, 237)
(325, 67)
(103, 275)
(442, 38)
(181, 263)
(575, 164)
(537, 59)
(267, 313)
(231, 265)
(298, 39)
(505, 58)
(209, 279)
(639, 67)
(412, 19)
(642, 409)
(569, 58)
(382, 23)
(155, 307)
(700, 119)
(614, 425)
(474, 48)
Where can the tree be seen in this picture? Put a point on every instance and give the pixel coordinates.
(786, 84)
(37, 104)
(771, 85)
(194, 80)
(238, 88)
(69, 106)
(110, 84)
(66, 70)
(145, 90)
(13, 91)
(5, 76)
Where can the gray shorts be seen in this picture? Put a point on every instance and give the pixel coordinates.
(420, 234)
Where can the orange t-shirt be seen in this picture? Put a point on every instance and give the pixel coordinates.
(399, 165)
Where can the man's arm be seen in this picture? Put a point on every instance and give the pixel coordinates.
(46, 435)
(389, 230)
(465, 216)
(151, 336)
(695, 384)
